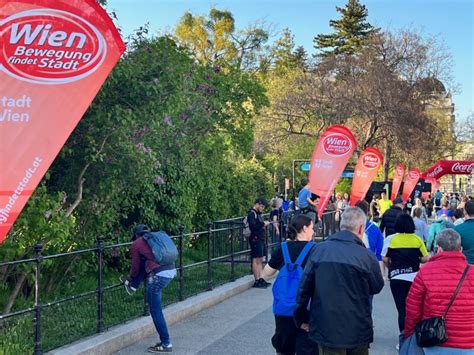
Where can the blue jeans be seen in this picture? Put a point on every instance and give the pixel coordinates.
(155, 285)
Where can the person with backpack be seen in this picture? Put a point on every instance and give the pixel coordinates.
(256, 228)
(436, 227)
(131, 284)
(159, 254)
(338, 279)
(289, 259)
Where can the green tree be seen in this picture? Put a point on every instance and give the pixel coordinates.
(214, 39)
(165, 142)
(351, 32)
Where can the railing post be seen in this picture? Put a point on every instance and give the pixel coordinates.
(232, 271)
(146, 305)
(100, 283)
(181, 270)
(209, 260)
(241, 235)
(37, 319)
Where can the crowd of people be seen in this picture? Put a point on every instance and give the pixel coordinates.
(420, 249)
(327, 308)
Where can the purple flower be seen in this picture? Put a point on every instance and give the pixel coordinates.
(184, 116)
(217, 69)
(140, 146)
(47, 214)
(207, 76)
(159, 180)
(167, 121)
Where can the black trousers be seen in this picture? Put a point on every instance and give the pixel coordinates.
(289, 340)
(400, 289)
(361, 350)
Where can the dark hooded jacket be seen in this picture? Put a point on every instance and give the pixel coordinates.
(388, 220)
(338, 279)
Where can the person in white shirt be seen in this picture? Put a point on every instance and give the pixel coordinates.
(419, 204)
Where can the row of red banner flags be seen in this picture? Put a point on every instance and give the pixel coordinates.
(331, 155)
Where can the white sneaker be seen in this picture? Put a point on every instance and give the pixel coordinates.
(130, 290)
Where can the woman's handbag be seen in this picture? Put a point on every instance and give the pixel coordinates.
(432, 331)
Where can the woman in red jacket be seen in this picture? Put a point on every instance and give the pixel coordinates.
(432, 289)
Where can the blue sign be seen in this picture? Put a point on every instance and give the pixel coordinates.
(347, 174)
(305, 167)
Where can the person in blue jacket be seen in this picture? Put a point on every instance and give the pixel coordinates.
(372, 232)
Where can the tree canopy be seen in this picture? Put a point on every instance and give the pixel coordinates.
(351, 32)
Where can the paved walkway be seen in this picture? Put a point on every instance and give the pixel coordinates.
(244, 324)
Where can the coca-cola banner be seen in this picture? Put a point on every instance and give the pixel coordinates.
(444, 167)
(397, 180)
(365, 171)
(410, 181)
(54, 57)
(330, 156)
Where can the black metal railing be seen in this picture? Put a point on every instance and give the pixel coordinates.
(206, 259)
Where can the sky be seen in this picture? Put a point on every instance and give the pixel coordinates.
(450, 21)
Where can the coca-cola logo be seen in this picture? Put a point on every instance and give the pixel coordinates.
(48, 46)
(337, 144)
(436, 171)
(413, 175)
(371, 161)
(462, 168)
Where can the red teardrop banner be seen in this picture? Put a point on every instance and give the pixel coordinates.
(397, 180)
(54, 57)
(330, 156)
(410, 182)
(365, 172)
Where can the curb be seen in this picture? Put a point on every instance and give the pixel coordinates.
(124, 335)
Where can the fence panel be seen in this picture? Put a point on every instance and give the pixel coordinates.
(59, 310)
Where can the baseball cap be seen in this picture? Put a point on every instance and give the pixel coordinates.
(140, 229)
(398, 201)
(261, 201)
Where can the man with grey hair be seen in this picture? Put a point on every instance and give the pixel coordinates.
(340, 276)
(432, 290)
(449, 240)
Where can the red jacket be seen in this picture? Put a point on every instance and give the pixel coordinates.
(431, 292)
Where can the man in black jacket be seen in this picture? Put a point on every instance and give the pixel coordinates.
(338, 279)
(389, 217)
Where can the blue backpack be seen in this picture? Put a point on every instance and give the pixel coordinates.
(162, 247)
(285, 287)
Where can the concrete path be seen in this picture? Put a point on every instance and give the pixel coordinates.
(244, 324)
